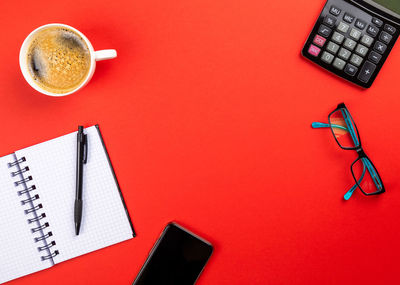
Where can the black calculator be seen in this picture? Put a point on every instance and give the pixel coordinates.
(353, 38)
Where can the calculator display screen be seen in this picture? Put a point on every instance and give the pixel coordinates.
(390, 6)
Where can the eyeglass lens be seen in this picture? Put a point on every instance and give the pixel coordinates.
(366, 176)
(344, 129)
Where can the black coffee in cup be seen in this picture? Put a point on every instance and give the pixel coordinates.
(58, 59)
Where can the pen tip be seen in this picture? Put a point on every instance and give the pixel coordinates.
(77, 228)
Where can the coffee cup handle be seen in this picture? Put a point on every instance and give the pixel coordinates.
(105, 54)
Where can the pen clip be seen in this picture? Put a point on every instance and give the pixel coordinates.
(85, 149)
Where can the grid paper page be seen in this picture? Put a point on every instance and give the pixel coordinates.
(19, 255)
(53, 168)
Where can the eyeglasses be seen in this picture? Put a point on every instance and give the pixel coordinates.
(345, 132)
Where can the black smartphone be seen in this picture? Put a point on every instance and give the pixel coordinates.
(177, 258)
(353, 38)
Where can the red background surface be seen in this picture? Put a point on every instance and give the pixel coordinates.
(206, 114)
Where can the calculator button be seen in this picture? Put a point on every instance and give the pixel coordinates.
(385, 37)
(344, 54)
(367, 40)
(324, 31)
(349, 44)
(313, 50)
(390, 29)
(355, 34)
(361, 50)
(366, 71)
(330, 21)
(339, 64)
(380, 47)
(377, 22)
(335, 11)
(337, 38)
(350, 69)
(332, 47)
(319, 41)
(327, 57)
(360, 24)
(343, 27)
(348, 18)
(374, 57)
(373, 31)
(356, 60)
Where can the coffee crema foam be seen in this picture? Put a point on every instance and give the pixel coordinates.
(58, 59)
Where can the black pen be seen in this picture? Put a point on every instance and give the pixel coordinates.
(81, 158)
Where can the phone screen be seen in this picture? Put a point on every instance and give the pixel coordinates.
(177, 258)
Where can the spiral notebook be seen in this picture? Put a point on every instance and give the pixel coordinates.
(37, 189)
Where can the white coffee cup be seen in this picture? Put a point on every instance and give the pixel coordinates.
(94, 56)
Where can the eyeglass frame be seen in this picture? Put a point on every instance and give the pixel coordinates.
(360, 151)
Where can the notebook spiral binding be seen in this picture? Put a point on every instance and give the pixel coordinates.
(30, 198)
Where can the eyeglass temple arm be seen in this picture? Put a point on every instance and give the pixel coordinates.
(366, 164)
(373, 173)
(317, 125)
(350, 126)
(351, 191)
